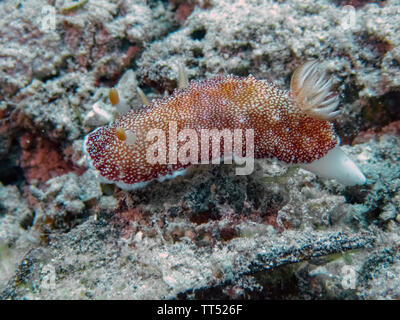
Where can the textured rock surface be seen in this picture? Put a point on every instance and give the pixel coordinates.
(155, 269)
(279, 233)
(363, 58)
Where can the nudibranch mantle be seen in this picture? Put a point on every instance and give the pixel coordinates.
(291, 126)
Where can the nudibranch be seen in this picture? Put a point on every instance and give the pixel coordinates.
(292, 126)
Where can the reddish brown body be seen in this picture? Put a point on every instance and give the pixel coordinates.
(281, 129)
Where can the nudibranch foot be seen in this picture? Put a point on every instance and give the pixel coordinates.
(337, 165)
